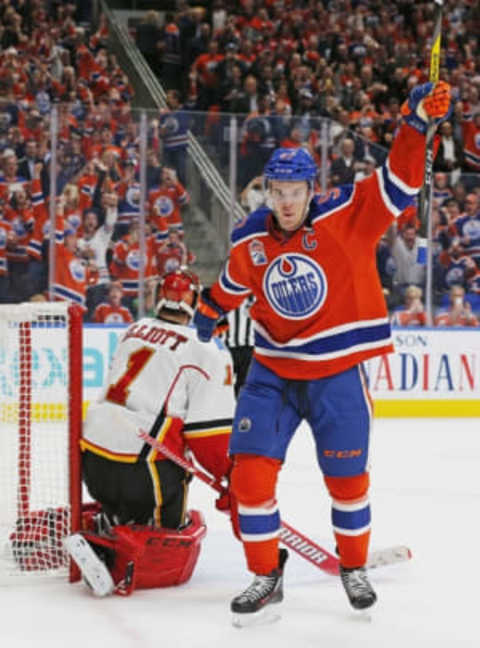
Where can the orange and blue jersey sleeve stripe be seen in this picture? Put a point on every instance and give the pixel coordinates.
(396, 195)
(229, 285)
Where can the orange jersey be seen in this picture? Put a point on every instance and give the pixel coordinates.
(125, 265)
(41, 226)
(319, 307)
(22, 223)
(471, 144)
(107, 314)
(408, 318)
(70, 271)
(464, 318)
(165, 202)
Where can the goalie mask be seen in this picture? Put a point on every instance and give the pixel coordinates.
(178, 291)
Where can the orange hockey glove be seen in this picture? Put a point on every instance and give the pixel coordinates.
(437, 103)
(427, 101)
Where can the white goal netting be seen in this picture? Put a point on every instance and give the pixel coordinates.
(39, 420)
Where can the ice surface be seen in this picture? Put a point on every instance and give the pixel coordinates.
(425, 493)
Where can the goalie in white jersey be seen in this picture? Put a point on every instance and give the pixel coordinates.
(164, 381)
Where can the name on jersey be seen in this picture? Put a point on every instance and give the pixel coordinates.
(295, 286)
(155, 335)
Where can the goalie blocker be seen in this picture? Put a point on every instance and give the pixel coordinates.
(131, 557)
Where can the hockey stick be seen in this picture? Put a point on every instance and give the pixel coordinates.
(426, 192)
(290, 537)
(425, 200)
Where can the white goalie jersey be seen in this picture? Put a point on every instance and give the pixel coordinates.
(164, 381)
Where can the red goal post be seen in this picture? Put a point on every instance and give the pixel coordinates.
(40, 429)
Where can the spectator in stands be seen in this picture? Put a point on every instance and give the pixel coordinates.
(111, 311)
(7, 241)
(471, 142)
(147, 36)
(225, 69)
(441, 189)
(459, 311)
(454, 266)
(257, 141)
(19, 214)
(71, 277)
(125, 264)
(203, 76)
(154, 169)
(173, 129)
(386, 268)
(467, 227)
(449, 158)
(172, 254)
(231, 89)
(412, 312)
(10, 180)
(344, 167)
(247, 101)
(166, 202)
(26, 164)
(92, 246)
(451, 209)
(405, 251)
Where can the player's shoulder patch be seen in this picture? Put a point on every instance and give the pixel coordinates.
(255, 224)
(326, 203)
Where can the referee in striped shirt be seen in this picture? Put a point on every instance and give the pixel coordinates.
(236, 331)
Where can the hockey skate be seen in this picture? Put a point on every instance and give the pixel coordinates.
(253, 605)
(358, 588)
(93, 569)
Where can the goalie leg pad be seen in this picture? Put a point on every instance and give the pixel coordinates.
(161, 557)
(138, 557)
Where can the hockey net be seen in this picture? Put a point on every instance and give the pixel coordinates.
(40, 426)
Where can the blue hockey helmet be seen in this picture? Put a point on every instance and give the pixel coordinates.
(290, 164)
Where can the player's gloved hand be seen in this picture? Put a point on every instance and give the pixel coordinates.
(206, 315)
(427, 101)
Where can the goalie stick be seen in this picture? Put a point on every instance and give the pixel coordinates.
(296, 541)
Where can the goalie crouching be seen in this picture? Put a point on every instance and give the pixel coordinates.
(162, 379)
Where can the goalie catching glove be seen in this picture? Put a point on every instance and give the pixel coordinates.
(207, 313)
(427, 101)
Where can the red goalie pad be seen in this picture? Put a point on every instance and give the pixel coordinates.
(142, 557)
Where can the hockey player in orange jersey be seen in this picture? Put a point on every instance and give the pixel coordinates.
(319, 312)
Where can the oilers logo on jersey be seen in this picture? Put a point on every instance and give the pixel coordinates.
(295, 286)
(132, 195)
(164, 206)
(77, 270)
(171, 125)
(133, 260)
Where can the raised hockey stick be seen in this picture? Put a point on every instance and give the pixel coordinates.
(289, 536)
(426, 192)
(425, 199)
